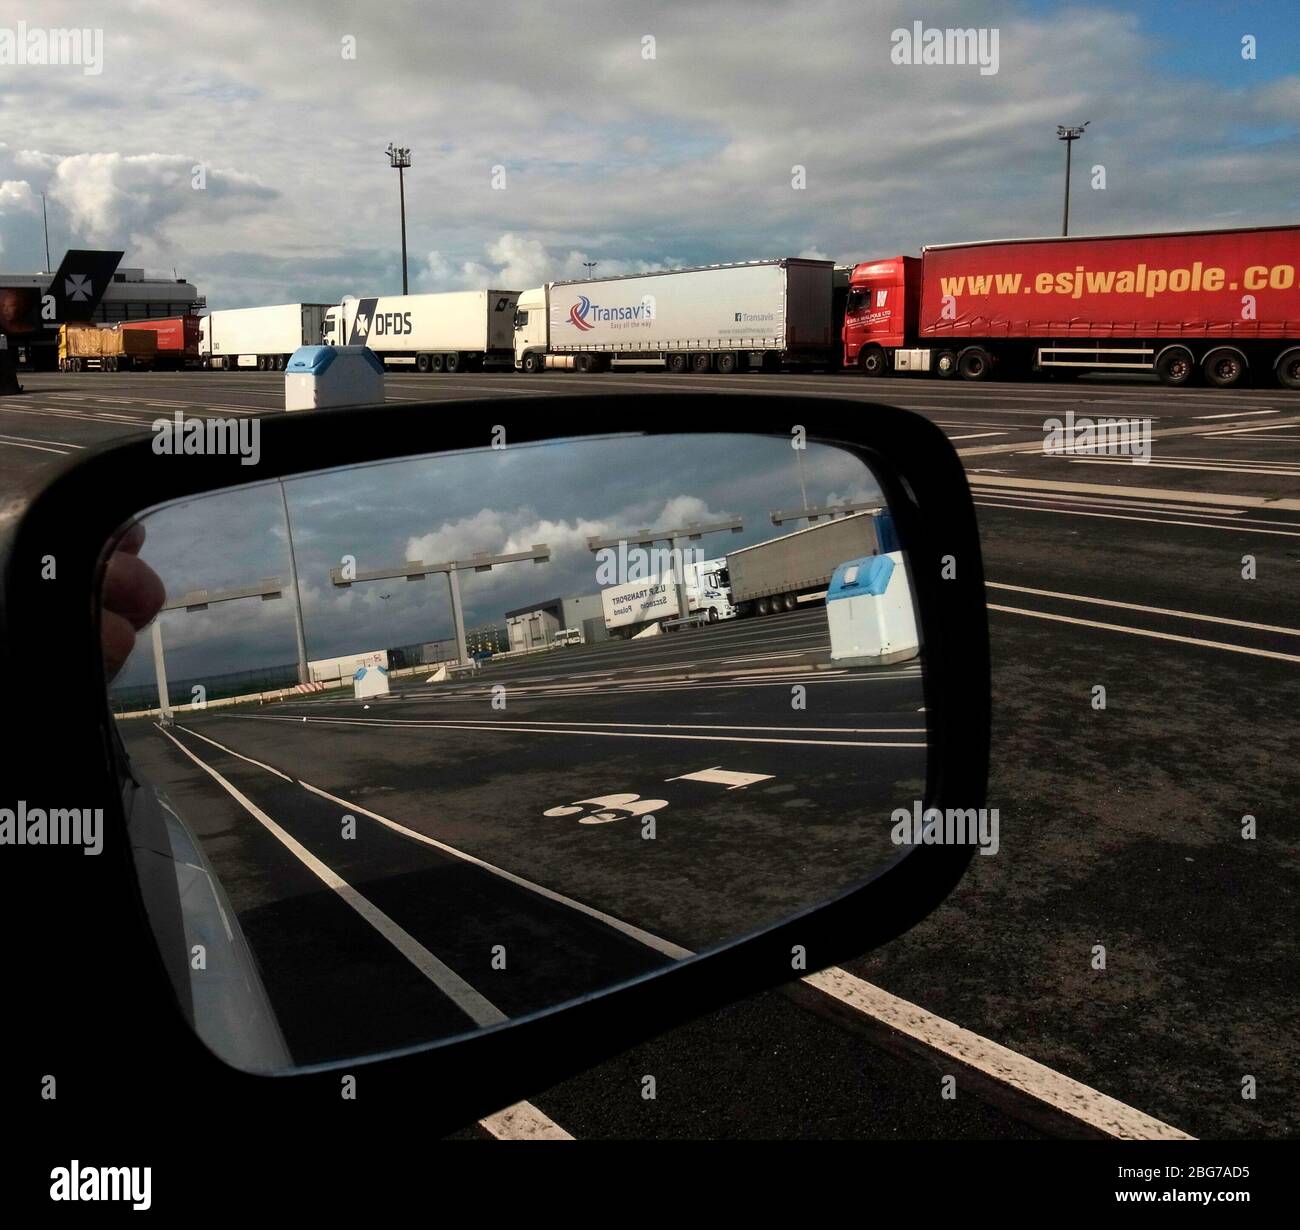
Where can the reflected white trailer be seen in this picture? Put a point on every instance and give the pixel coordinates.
(724, 318)
(635, 605)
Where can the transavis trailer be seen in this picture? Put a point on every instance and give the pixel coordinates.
(1219, 305)
(756, 314)
(778, 574)
(445, 332)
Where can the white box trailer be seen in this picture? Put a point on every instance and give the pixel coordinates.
(431, 333)
(775, 575)
(756, 314)
(334, 670)
(260, 337)
(630, 607)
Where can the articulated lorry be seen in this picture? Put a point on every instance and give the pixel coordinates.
(96, 348)
(725, 318)
(260, 337)
(633, 606)
(177, 339)
(1224, 305)
(456, 331)
(779, 574)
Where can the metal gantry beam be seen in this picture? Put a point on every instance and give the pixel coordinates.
(417, 570)
(779, 516)
(200, 600)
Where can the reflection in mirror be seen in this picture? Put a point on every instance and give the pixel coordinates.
(424, 746)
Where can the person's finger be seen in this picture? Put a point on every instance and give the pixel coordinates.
(132, 589)
(118, 639)
(132, 540)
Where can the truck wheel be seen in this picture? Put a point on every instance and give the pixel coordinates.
(713, 614)
(584, 363)
(727, 363)
(422, 362)
(1288, 369)
(788, 602)
(1175, 366)
(762, 606)
(974, 363)
(438, 362)
(678, 362)
(1223, 368)
(873, 361)
(281, 362)
(702, 362)
(945, 364)
(531, 362)
(453, 363)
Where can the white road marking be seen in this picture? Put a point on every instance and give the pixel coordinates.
(560, 728)
(523, 1121)
(719, 776)
(1008, 1067)
(1235, 414)
(977, 435)
(1159, 636)
(1241, 468)
(1151, 610)
(38, 440)
(1112, 516)
(479, 1010)
(35, 448)
(1236, 431)
(666, 947)
(1147, 493)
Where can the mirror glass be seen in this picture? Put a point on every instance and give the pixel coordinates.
(419, 747)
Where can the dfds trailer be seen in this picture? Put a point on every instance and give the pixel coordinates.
(177, 338)
(634, 605)
(774, 575)
(756, 314)
(1224, 305)
(260, 337)
(432, 333)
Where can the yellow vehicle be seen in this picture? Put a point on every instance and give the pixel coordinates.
(85, 347)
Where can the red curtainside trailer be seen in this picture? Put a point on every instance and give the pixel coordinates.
(178, 339)
(1224, 305)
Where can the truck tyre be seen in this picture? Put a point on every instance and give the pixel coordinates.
(945, 364)
(1223, 368)
(584, 363)
(762, 606)
(1288, 369)
(788, 602)
(438, 362)
(453, 363)
(727, 363)
(678, 362)
(702, 362)
(873, 361)
(422, 363)
(531, 362)
(1175, 366)
(713, 614)
(974, 363)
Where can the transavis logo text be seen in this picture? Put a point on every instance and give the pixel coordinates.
(585, 315)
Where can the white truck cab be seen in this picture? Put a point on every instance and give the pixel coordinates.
(531, 330)
(568, 636)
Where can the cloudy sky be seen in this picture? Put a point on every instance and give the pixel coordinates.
(438, 509)
(638, 135)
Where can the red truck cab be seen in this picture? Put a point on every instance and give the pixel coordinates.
(881, 310)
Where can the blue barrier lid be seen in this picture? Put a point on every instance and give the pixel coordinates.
(857, 578)
(886, 535)
(311, 359)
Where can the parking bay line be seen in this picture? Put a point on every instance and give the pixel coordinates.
(1150, 610)
(999, 1065)
(1159, 636)
(557, 728)
(478, 1008)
